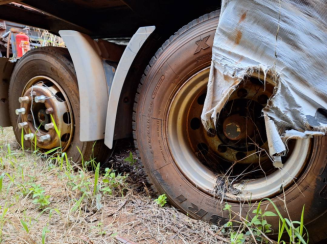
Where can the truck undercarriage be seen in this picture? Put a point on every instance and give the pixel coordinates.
(154, 89)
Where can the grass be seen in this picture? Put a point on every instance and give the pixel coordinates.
(257, 228)
(161, 200)
(47, 198)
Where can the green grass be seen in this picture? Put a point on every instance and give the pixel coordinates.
(47, 198)
(257, 228)
(34, 185)
(161, 200)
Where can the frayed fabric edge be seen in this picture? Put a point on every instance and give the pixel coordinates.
(276, 139)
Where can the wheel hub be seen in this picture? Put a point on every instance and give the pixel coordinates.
(43, 117)
(236, 127)
(236, 150)
(47, 114)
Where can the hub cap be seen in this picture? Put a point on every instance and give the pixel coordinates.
(231, 159)
(43, 98)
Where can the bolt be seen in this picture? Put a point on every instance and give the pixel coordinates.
(22, 125)
(40, 99)
(44, 138)
(29, 136)
(24, 99)
(20, 111)
(48, 126)
(49, 111)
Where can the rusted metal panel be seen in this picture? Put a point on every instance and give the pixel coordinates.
(110, 51)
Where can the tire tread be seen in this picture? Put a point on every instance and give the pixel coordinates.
(152, 62)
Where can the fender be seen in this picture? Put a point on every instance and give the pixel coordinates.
(98, 96)
(124, 65)
(92, 84)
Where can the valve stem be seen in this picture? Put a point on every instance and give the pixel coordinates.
(22, 125)
(40, 99)
(48, 126)
(44, 138)
(29, 136)
(24, 99)
(20, 111)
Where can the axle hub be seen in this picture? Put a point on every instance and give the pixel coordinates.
(47, 114)
(237, 127)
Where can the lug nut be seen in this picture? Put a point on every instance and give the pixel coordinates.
(40, 99)
(49, 111)
(22, 125)
(29, 136)
(24, 99)
(48, 126)
(45, 138)
(20, 111)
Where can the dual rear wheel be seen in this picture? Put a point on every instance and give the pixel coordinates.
(198, 170)
(43, 97)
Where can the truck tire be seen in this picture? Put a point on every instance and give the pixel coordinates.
(49, 71)
(189, 164)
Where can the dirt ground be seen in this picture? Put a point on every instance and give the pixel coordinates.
(78, 212)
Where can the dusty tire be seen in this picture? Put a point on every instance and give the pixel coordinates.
(54, 63)
(175, 62)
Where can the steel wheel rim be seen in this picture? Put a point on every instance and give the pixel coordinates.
(203, 177)
(56, 105)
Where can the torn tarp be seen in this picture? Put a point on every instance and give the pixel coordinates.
(285, 39)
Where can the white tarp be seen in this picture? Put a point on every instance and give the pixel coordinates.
(285, 39)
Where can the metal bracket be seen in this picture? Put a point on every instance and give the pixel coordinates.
(124, 65)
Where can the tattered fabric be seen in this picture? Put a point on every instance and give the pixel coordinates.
(285, 39)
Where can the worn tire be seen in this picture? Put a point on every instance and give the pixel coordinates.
(55, 63)
(171, 66)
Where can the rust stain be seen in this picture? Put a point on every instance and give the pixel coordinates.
(238, 37)
(242, 18)
(240, 60)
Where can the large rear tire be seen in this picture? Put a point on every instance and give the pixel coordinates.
(49, 71)
(172, 83)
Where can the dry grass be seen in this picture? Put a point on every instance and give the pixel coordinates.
(100, 218)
